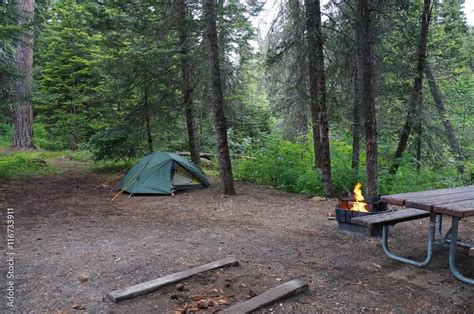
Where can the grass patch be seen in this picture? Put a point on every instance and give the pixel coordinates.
(111, 166)
(78, 155)
(27, 164)
(4, 142)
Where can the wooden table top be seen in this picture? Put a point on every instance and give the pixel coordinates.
(457, 202)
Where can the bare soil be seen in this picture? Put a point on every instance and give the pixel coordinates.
(73, 246)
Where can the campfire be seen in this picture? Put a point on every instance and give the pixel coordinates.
(358, 205)
(353, 205)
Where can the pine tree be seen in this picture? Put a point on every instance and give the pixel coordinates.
(368, 98)
(225, 167)
(187, 88)
(318, 91)
(414, 110)
(23, 86)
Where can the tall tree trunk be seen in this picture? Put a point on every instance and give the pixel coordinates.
(356, 113)
(225, 167)
(419, 137)
(313, 79)
(438, 100)
(23, 137)
(368, 98)
(323, 113)
(418, 130)
(186, 84)
(415, 98)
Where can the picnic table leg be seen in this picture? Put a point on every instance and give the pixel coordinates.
(446, 236)
(439, 236)
(447, 239)
(452, 253)
(440, 225)
(465, 245)
(429, 253)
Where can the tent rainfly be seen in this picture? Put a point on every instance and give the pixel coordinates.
(163, 173)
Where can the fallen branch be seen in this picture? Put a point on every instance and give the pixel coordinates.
(282, 291)
(202, 155)
(153, 285)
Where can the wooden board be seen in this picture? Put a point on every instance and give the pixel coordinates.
(427, 203)
(458, 209)
(202, 155)
(150, 286)
(390, 218)
(399, 199)
(285, 290)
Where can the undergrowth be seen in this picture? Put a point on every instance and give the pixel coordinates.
(110, 166)
(27, 164)
(270, 161)
(289, 166)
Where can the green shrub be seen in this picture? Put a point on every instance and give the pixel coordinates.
(279, 163)
(408, 179)
(309, 183)
(289, 166)
(115, 143)
(5, 135)
(42, 140)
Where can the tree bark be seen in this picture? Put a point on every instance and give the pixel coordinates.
(356, 113)
(23, 137)
(438, 100)
(186, 84)
(225, 167)
(415, 98)
(419, 136)
(418, 130)
(313, 79)
(368, 98)
(323, 114)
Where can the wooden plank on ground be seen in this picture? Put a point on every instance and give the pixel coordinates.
(282, 291)
(150, 286)
(427, 203)
(390, 218)
(399, 199)
(458, 209)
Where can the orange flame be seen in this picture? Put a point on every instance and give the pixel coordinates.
(359, 205)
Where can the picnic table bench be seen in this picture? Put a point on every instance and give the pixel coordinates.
(457, 203)
(390, 218)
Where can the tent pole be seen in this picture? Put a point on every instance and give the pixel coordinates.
(133, 179)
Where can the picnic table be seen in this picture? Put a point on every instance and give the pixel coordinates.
(456, 203)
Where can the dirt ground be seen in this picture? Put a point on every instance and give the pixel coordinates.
(73, 246)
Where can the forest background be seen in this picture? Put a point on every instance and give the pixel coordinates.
(109, 86)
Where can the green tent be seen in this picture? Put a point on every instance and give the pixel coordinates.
(163, 173)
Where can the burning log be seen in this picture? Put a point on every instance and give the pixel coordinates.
(354, 205)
